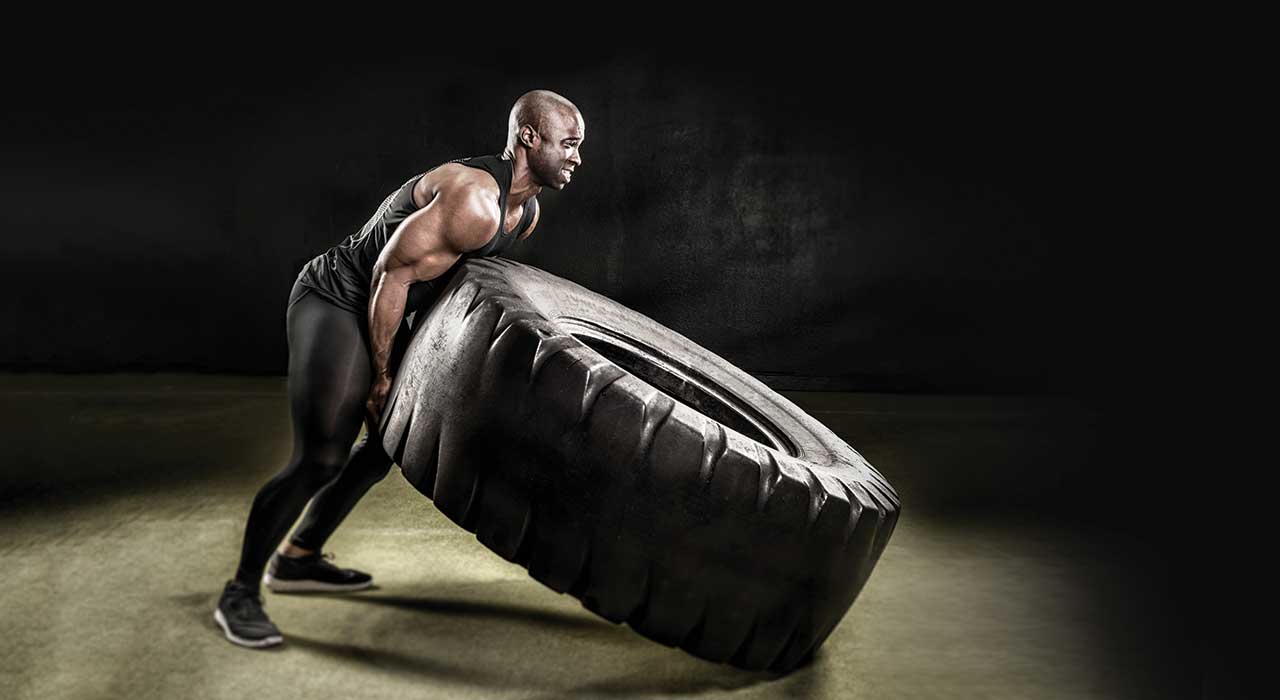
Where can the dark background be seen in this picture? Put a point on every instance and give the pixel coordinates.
(942, 224)
(956, 222)
(959, 223)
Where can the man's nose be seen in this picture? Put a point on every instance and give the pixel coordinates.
(575, 158)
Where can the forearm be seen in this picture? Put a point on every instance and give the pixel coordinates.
(387, 298)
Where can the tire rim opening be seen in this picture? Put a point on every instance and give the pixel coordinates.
(683, 384)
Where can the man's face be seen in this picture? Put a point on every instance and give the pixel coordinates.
(556, 155)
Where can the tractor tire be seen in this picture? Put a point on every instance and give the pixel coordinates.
(623, 464)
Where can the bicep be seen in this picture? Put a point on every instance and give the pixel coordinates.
(432, 239)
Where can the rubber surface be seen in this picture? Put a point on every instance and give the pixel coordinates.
(709, 514)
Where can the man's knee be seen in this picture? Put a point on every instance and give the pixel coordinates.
(324, 464)
(369, 457)
(377, 471)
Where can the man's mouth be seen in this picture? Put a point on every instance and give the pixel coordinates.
(568, 174)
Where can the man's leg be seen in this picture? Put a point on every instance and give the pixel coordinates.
(329, 378)
(367, 464)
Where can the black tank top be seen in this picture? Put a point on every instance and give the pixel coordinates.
(343, 273)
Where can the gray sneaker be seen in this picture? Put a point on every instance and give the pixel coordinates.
(242, 620)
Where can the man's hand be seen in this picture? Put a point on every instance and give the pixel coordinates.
(377, 400)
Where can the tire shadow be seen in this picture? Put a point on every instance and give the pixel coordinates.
(496, 644)
(549, 619)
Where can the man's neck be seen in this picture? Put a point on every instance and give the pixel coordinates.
(523, 188)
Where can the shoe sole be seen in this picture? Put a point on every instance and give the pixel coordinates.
(285, 586)
(243, 641)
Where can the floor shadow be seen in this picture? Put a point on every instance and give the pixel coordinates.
(489, 670)
(486, 610)
(494, 644)
(647, 680)
(74, 447)
(402, 663)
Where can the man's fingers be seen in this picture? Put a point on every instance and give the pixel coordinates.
(373, 408)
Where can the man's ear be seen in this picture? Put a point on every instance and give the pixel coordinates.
(528, 136)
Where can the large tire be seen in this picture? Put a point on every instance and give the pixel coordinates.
(623, 464)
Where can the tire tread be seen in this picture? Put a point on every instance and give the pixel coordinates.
(675, 481)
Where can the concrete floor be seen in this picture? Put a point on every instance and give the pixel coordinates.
(124, 498)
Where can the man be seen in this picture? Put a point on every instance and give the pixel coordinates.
(346, 332)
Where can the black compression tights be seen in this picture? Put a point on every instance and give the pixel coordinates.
(329, 378)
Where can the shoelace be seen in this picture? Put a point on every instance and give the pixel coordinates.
(244, 596)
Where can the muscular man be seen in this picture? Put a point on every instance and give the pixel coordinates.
(347, 331)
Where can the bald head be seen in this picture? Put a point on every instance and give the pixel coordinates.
(544, 133)
(542, 110)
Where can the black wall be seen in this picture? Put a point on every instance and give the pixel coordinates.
(943, 224)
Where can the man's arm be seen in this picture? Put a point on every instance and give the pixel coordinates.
(425, 245)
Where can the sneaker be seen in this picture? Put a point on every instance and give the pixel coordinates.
(242, 620)
(311, 573)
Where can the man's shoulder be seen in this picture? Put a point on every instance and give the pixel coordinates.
(468, 199)
(456, 180)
